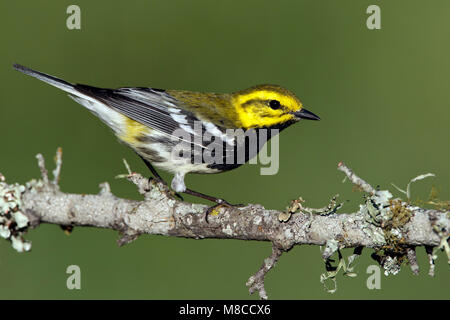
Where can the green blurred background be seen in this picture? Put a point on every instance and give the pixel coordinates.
(382, 95)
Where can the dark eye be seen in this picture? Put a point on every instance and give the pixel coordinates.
(274, 104)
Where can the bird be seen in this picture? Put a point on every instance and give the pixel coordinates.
(185, 132)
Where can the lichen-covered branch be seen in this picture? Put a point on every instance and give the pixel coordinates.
(392, 227)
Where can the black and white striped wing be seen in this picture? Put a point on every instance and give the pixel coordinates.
(156, 109)
(153, 108)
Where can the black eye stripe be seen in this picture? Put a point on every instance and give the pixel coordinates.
(274, 104)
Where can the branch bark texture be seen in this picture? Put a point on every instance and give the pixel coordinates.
(41, 201)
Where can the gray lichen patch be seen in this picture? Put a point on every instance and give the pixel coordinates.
(13, 223)
(391, 266)
(330, 248)
(441, 227)
(376, 207)
(385, 218)
(227, 230)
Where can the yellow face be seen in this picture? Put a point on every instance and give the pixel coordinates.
(266, 106)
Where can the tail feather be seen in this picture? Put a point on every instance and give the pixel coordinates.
(61, 84)
(111, 117)
(54, 81)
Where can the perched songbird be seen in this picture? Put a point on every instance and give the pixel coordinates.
(183, 131)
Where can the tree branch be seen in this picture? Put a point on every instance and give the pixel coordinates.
(390, 226)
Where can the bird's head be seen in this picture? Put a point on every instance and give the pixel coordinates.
(268, 106)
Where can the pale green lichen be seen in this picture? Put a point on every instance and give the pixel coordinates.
(4, 232)
(332, 271)
(376, 235)
(330, 248)
(13, 222)
(373, 216)
(440, 227)
(389, 217)
(20, 245)
(21, 219)
(377, 207)
(383, 223)
(391, 265)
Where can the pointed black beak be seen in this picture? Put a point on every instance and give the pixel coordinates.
(305, 114)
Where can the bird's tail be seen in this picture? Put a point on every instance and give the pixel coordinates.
(108, 115)
(54, 81)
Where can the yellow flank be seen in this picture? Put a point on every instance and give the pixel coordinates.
(133, 130)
